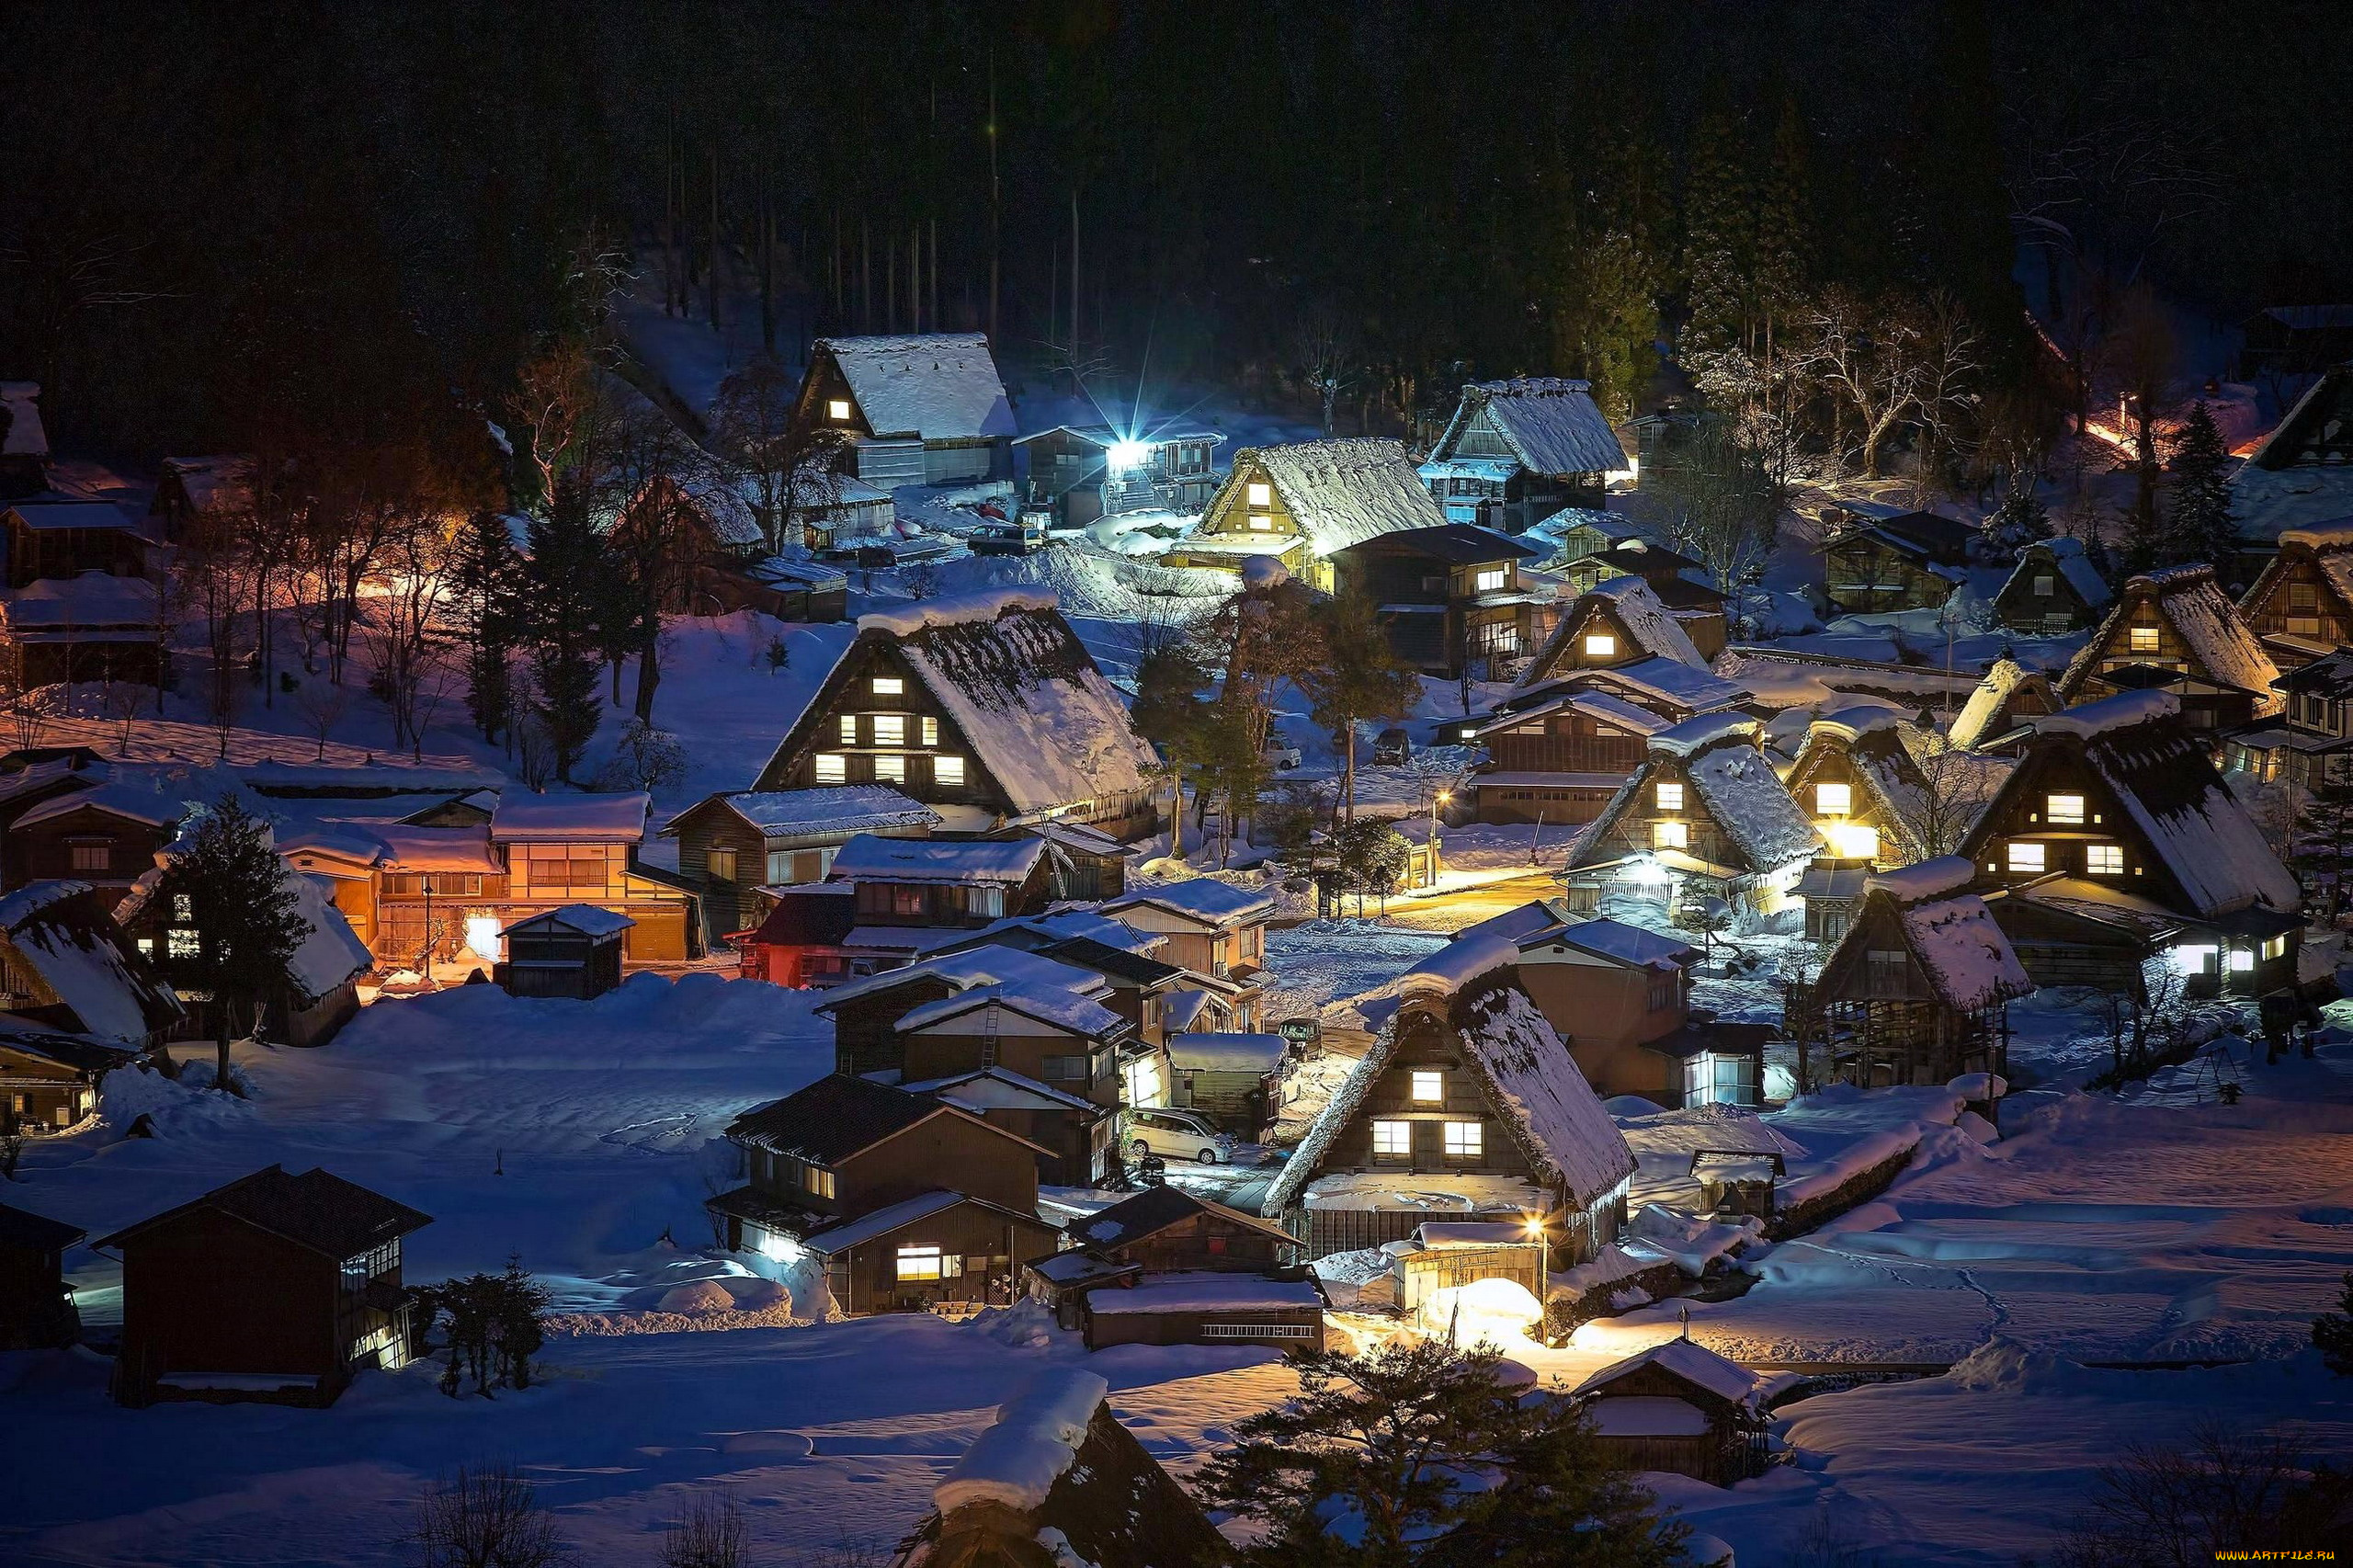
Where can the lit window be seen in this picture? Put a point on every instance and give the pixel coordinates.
(1852, 841)
(2196, 958)
(849, 729)
(1670, 796)
(2144, 640)
(947, 770)
(2066, 809)
(1489, 581)
(1832, 800)
(1600, 645)
(838, 408)
(89, 857)
(1394, 1138)
(921, 1263)
(930, 730)
(180, 943)
(2025, 857)
(719, 864)
(2104, 861)
(888, 685)
(891, 768)
(1261, 495)
(183, 907)
(2275, 947)
(2242, 960)
(832, 768)
(1463, 1141)
(1429, 1087)
(1670, 835)
(1260, 522)
(890, 730)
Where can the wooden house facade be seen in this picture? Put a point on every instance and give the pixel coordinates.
(64, 964)
(1083, 473)
(733, 843)
(2122, 795)
(921, 408)
(1698, 608)
(1999, 708)
(574, 952)
(277, 1287)
(1077, 1131)
(2299, 476)
(1305, 503)
(49, 1078)
(2176, 630)
(2300, 605)
(1871, 800)
(37, 1310)
(1880, 560)
(105, 834)
(1917, 992)
(1449, 598)
(985, 707)
(1561, 760)
(2055, 589)
(1517, 452)
(1680, 1408)
(1617, 624)
(1466, 1089)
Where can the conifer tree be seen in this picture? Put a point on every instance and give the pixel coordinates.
(1358, 679)
(486, 598)
(1171, 713)
(227, 887)
(2200, 527)
(1720, 235)
(1784, 266)
(2018, 522)
(2332, 1333)
(569, 594)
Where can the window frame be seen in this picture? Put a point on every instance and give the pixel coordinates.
(1431, 1079)
(1388, 1131)
(1463, 1140)
(2026, 855)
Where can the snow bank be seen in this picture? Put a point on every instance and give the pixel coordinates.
(956, 610)
(1035, 1440)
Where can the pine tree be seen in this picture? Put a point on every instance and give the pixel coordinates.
(2018, 522)
(1720, 236)
(570, 595)
(486, 598)
(1784, 266)
(2332, 1333)
(1171, 713)
(2200, 527)
(227, 887)
(1360, 678)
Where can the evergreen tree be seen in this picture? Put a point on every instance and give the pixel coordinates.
(2332, 1333)
(486, 598)
(1388, 1441)
(1784, 266)
(2200, 527)
(569, 594)
(2020, 520)
(1720, 236)
(1359, 678)
(1171, 713)
(227, 887)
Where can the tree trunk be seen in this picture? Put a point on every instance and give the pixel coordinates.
(649, 676)
(1349, 768)
(221, 1042)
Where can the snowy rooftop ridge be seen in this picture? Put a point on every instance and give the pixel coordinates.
(940, 386)
(1985, 704)
(1694, 1363)
(1038, 1432)
(957, 609)
(1344, 492)
(2109, 713)
(1550, 423)
(1928, 878)
(867, 857)
(1646, 620)
(1967, 956)
(1698, 733)
(1453, 967)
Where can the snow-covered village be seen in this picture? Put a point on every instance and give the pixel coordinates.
(1073, 785)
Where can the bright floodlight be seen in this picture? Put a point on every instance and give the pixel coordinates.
(1125, 455)
(1535, 1226)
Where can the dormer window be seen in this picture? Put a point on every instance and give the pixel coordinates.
(1600, 645)
(838, 408)
(2066, 810)
(1833, 799)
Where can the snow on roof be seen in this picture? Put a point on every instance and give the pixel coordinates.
(332, 953)
(1628, 943)
(1694, 1364)
(979, 1099)
(75, 512)
(867, 857)
(1081, 922)
(90, 599)
(1443, 974)
(1343, 492)
(942, 386)
(1706, 730)
(1665, 680)
(585, 919)
(21, 435)
(1929, 879)
(1036, 1439)
(815, 576)
(1533, 918)
(1968, 957)
(2068, 555)
(83, 961)
(2115, 713)
(1026, 695)
(1530, 1071)
(979, 607)
(1986, 704)
(1551, 424)
(831, 1239)
(1226, 1052)
(215, 485)
(1748, 800)
(1205, 898)
(828, 810)
(1202, 1291)
(1048, 1003)
(525, 818)
(128, 798)
(1646, 620)
(1856, 720)
(2220, 644)
(992, 964)
(407, 848)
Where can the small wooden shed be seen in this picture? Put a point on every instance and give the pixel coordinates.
(1227, 1076)
(574, 951)
(1203, 1307)
(1679, 1407)
(36, 1309)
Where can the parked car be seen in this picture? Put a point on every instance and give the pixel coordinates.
(1281, 757)
(1391, 749)
(1178, 1135)
(1000, 538)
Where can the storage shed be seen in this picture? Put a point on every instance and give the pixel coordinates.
(1679, 1407)
(574, 951)
(36, 1308)
(1206, 1308)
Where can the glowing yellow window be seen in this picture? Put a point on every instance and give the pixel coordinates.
(2104, 861)
(921, 1263)
(888, 685)
(831, 769)
(1261, 495)
(2144, 640)
(1670, 796)
(1394, 1139)
(930, 730)
(946, 769)
(1464, 1141)
(1429, 1088)
(1833, 799)
(890, 730)
(849, 729)
(1600, 645)
(838, 408)
(1260, 522)
(891, 768)
(2025, 855)
(1670, 835)
(2275, 947)
(2067, 811)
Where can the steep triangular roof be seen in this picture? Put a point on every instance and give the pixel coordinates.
(60, 931)
(1963, 955)
(1551, 426)
(1629, 604)
(942, 386)
(1341, 492)
(317, 1211)
(2064, 557)
(1986, 716)
(1870, 738)
(1732, 782)
(2187, 598)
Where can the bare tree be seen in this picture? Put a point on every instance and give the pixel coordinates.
(1954, 787)
(27, 710)
(121, 701)
(712, 1533)
(787, 467)
(321, 705)
(1871, 356)
(486, 1516)
(1324, 351)
(2222, 1489)
(1722, 506)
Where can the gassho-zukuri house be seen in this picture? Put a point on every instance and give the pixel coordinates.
(1466, 1105)
(984, 707)
(922, 408)
(1298, 504)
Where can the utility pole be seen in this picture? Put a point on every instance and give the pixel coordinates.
(995, 202)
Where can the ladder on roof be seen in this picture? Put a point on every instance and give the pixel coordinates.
(988, 1034)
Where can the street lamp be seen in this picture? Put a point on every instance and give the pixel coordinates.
(1543, 1238)
(1441, 798)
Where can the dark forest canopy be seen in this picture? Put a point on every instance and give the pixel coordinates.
(220, 220)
